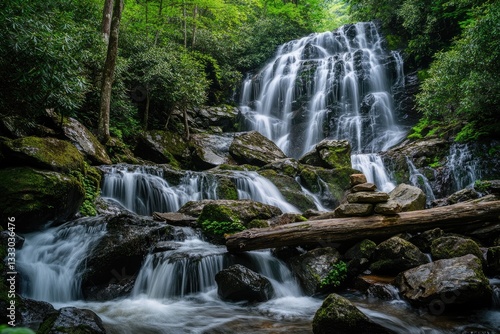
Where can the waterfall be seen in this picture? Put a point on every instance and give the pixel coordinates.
(335, 85)
(144, 190)
(50, 260)
(463, 166)
(418, 179)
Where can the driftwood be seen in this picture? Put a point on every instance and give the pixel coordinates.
(452, 217)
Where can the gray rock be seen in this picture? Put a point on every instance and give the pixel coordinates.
(364, 187)
(163, 147)
(357, 179)
(396, 255)
(409, 197)
(312, 267)
(424, 240)
(388, 208)
(175, 218)
(72, 320)
(367, 197)
(338, 315)
(457, 281)
(363, 249)
(329, 154)
(238, 283)
(254, 149)
(448, 247)
(208, 151)
(353, 210)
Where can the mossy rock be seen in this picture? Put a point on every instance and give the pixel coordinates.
(119, 152)
(45, 153)
(448, 247)
(226, 189)
(91, 182)
(35, 197)
(163, 147)
(254, 149)
(290, 189)
(71, 320)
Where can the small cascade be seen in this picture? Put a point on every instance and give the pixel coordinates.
(50, 260)
(316, 200)
(336, 85)
(463, 166)
(253, 186)
(418, 179)
(495, 286)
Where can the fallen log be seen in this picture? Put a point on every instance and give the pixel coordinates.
(452, 217)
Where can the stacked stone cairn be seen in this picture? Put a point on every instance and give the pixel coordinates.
(363, 199)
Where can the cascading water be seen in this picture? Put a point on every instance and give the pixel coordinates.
(418, 179)
(463, 166)
(144, 190)
(331, 85)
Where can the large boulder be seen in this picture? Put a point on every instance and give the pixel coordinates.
(72, 320)
(26, 312)
(208, 151)
(448, 247)
(238, 283)
(312, 267)
(36, 197)
(128, 239)
(163, 147)
(338, 315)
(254, 149)
(409, 197)
(457, 281)
(82, 138)
(396, 255)
(44, 153)
(329, 154)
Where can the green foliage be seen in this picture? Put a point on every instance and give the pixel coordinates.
(91, 181)
(4, 329)
(221, 228)
(336, 276)
(481, 185)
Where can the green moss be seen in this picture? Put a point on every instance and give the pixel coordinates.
(218, 213)
(4, 329)
(336, 276)
(245, 167)
(258, 223)
(226, 189)
(47, 324)
(221, 228)
(91, 181)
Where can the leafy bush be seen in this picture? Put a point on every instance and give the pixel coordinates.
(336, 276)
(221, 228)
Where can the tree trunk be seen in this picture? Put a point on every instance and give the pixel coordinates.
(108, 73)
(160, 22)
(185, 23)
(106, 19)
(195, 14)
(145, 118)
(453, 217)
(186, 126)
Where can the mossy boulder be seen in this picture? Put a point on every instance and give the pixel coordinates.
(72, 320)
(289, 167)
(82, 138)
(163, 147)
(396, 255)
(424, 240)
(44, 153)
(338, 315)
(208, 151)
(226, 189)
(290, 189)
(119, 152)
(36, 197)
(446, 283)
(238, 283)
(254, 149)
(329, 154)
(448, 247)
(409, 197)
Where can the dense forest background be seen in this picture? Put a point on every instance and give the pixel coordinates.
(177, 54)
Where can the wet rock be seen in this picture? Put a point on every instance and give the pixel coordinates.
(238, 283)
(72, 320)
(121, 251)
(5, 242)
(448, 247)
(448, 282)
(163, 147)
(409, 197)
(353, 210)
(312, 267)
(356, 179)
(82, 138)
(424, 240)
(120, 153)
(363, 249)
(463, 195)
(367, 197)
(209, 118)
(289, 167)
(208, 151)
(286, 218)
(364, 187)
(329, 154)
(35, 197)
(396, 255)
(164, 246)
(44, 153)
(493, 260)
(28, 312)
(254, 149)
(388, 208)
(175, 219)
(338, 315)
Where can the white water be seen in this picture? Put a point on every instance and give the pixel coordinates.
(463, 166)
(334, 85)
(144, 190)
(418, 179)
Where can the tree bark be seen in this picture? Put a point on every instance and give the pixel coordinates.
(186, 124)
(108, 73)
(453, 217)
(195, 14)
(106, 19)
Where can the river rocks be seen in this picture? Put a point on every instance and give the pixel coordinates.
(208, 151)
(457, 281)
(388, 208)
(175, 219)
(82, 138)
(363, 249)
(424, 240)
(128, 239)
(409, 197)
(447, 247)
(367, 197)
(312, 267)
(329, 154)
(364, 187)
(338, 315)
(356, 179)
(254, 149)
(396, 255)
(44, 153)
(72, 320)
(353, 210)
(238, 283)
(28, 312)
(163, 147)
(35, 197)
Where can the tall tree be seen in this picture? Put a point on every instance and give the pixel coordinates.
(108, 73)
(106, 19)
